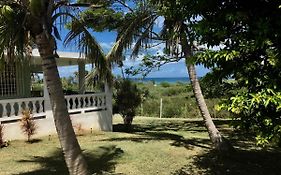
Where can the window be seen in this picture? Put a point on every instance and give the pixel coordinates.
(8, 83)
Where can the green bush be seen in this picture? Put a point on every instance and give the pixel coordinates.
(165, 84)
(178, 102)
(151, 108)
(127, 98)
(174, 90)
(171, 110)
(258, 113)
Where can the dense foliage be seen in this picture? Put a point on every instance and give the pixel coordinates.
(249, 39)
(127, 98)
(177, 99)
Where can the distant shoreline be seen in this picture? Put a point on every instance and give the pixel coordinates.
(159, 80)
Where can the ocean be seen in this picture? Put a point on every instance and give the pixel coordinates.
(172, 80)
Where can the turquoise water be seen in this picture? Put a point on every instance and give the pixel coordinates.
(159, 80)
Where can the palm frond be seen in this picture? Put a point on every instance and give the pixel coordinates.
(14, 38)
(135, 27)
(172, 31)
(88, 46)
(144, 37)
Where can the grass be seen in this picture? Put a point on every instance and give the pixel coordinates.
(154, 146)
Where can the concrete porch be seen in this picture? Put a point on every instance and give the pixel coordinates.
(91, 111)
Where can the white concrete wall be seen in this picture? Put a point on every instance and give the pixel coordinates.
(99, 120)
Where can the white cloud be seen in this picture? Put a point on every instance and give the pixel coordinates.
(106, 46)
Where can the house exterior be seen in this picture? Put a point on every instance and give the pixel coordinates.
(91, 111)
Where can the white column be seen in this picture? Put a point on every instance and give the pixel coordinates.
(108, 92)
(47, 103)
(81, 76)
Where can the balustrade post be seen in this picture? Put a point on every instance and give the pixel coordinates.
(4, 110)
(82, 104)
(41, 106)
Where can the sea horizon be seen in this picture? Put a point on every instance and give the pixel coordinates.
(158, 80)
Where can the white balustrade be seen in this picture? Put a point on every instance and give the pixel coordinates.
(85, 102)
(10, 109)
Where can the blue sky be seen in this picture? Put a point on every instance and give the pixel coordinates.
(106, 39)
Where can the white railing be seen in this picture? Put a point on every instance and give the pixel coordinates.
(85, 102)
(10, 109)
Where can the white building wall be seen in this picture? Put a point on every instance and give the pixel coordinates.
(91, 116)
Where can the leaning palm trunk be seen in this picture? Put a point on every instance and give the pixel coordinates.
(72, 152)
(221, 144)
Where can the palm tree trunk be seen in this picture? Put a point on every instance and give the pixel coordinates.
(71, 149)
(221, 144)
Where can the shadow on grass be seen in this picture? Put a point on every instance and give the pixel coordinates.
(177, 140)
(99, 161)
(157, 130)
(33, 141)
(160, 126)
(166, 125)
(241, 162)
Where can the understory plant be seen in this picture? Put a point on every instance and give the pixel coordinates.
(3, 143)
(27, 124)
(78, 129)
(127, 99)
(258, 113)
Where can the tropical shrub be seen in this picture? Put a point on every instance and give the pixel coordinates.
(165, 84)
(151, 107)
(173, 90)
(78, 129)
(259, 113)
(250, 55)
(172, 108)
(178, 102)
(127, 98)
(27, 124)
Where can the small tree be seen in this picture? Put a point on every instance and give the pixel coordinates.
(28, 125)
(127, 99)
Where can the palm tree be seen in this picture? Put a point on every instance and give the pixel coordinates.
(221, 144)
(32, 22)
(138, 28)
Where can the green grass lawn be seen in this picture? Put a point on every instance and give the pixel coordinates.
(155, 146)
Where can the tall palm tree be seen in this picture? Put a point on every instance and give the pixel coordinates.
(26, 23)
(221, 144)
(138, 28)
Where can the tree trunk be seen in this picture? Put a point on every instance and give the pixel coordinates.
(221, 144)
(71, 149)
(128, 120)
